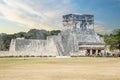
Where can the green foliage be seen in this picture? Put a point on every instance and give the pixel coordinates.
(55, 32)
(113, 39)
(100, 35)
(5, 42)
(20, 35)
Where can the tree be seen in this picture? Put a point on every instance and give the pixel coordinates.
(113, 39)
(55, 32)
(118, 38)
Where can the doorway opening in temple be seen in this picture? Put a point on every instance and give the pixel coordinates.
(88, 51)
(93, 51)
(99, 51)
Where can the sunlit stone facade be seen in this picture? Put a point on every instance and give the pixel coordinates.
(77, 38)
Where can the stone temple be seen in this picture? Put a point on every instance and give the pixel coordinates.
(77, 38)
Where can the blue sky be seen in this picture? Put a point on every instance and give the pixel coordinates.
(22, 15)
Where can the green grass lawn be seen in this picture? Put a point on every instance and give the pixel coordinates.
(82, 68)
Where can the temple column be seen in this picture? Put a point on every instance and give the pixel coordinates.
(101, 53)
(90, 52)
(96, 52)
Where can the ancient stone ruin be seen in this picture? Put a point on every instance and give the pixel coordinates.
(77, 38)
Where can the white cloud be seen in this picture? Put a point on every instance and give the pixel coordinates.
(100, 28)
(40, 14)
(37, 14)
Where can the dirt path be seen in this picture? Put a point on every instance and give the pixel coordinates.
(60, 69)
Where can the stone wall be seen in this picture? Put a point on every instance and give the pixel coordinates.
(78, 29)
(33, 47)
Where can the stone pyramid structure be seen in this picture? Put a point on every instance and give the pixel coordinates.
(77, 38)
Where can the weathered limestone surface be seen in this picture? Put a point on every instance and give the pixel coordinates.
(34, 47)
(77, 38)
